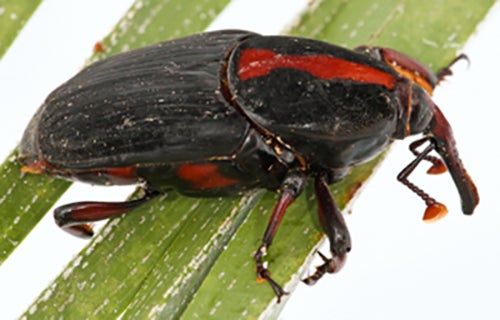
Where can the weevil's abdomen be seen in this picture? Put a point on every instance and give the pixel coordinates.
(157, 104)
(160, 115)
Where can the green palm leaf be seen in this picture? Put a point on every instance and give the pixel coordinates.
(179, 257)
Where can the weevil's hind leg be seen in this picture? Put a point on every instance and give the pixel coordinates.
(435, 210)
(75, 217)
(334, 226)
(290, 189)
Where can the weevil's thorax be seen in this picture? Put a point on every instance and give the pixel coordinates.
(335, 107)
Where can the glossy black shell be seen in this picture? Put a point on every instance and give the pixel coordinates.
(182, 101)
(160, 103)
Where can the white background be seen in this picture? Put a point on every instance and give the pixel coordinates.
(400, 268)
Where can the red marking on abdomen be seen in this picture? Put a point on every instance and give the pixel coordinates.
(204, 176)
(259, 62)
(36, 166)
(122, 172)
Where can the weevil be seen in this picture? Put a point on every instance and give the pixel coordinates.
(221, 113)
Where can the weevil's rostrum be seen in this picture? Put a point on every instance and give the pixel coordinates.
(224, 112)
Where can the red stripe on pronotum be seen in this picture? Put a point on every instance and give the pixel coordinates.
(259, 62)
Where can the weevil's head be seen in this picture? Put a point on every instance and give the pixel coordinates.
(419, 114)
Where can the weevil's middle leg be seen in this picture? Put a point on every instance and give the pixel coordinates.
(290, 189)
(335, 228)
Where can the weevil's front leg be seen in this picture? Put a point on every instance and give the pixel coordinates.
(434, 210)
(335, 228)
(446, 71)
(437, 164)
(290, 189)
(74, 218)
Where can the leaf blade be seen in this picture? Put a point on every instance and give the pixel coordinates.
(138, 220)
(13, 17)
(24, 201)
